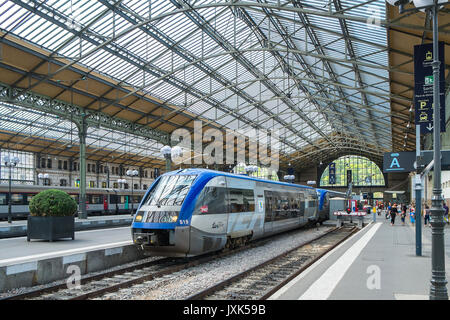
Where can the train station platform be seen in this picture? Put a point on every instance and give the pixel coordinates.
(24, 264)
(18, 228)
(377, 263)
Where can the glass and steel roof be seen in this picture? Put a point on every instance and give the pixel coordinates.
(314, 71)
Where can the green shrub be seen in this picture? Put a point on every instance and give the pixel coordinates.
(52, 202)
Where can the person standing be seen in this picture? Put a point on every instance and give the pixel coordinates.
(393, 213)
(446, 217)
(427, 214)
(412, 217)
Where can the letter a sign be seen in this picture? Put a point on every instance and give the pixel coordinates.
(399, 162)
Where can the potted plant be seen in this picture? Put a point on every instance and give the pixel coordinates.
(51, 216)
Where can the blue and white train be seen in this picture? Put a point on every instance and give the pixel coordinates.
(195, 211)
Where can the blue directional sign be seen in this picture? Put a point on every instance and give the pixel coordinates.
(399, 162)
(423, 86)
(332, 173)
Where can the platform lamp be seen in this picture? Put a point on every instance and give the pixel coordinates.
(250, 169)
(166, 151)
(10, 162)
(438, 289)
(132, 174)
(42, 176)
(289, 178)
(121, 182)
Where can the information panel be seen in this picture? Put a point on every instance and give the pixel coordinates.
(423, 86)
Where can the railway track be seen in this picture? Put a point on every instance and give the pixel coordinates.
(262, 281)
(108, 282)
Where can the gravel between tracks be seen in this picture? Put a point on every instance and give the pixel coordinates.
(185, 283)
(28, 289)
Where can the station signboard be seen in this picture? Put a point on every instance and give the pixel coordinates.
(423, 86)
(399, 162)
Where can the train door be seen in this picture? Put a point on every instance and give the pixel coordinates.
(268, 216)
(301, 197)
(105, 203)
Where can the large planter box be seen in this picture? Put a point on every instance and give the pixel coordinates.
(50, 228)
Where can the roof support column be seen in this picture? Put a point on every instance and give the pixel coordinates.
(82, 133)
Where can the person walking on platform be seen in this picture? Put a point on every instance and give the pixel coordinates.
(393, 213)
(403, 214)
(427, 214)
(388, 211)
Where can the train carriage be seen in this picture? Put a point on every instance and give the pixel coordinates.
(194, 211)
(99, 200)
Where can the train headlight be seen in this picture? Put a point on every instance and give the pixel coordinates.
(174, 218)
(139, 216)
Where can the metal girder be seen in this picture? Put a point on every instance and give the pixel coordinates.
(195, 61)
(76, 113)
(209, 30)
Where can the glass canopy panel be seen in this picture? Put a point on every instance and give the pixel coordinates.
(144, 57)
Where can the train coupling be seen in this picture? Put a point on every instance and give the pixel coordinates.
(145, 238)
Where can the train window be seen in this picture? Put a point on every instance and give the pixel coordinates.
(28, 198)
(104, 185)
(284, 205)
(3, 198)
(96, 199)
(241, 200)
(115, 185)
(170, 190)
(17, 198)
(212, 200)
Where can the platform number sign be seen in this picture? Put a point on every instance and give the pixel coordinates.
(332, 173)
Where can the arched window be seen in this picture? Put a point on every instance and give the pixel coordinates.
(363, 172)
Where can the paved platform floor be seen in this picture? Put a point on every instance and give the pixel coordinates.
(17, 250)
(378, 263)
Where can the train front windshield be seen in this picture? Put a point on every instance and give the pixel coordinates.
(170, 191)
